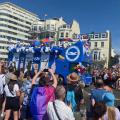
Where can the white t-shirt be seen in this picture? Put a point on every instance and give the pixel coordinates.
(106, 76)
(64, 111)
(12, 93)
(2, 83)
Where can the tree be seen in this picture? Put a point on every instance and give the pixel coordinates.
(114, 60)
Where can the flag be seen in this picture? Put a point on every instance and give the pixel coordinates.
(53, 66)
(87, 44)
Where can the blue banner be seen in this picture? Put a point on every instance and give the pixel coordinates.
(75, 52)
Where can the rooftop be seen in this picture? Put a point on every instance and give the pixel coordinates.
(14, 5)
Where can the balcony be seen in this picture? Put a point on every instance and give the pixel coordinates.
(3, 56)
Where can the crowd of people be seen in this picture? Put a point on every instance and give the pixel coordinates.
(40, 95)
(109, 76)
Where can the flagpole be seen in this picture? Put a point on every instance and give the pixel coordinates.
(45, 15)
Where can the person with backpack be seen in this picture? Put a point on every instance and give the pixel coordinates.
(12, 98)
(58, 110)
(42, 94)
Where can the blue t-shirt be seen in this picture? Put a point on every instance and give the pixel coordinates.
(97, 94)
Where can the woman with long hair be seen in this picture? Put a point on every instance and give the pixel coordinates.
(12, 98)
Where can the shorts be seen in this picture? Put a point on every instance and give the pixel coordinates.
(12, 103)
(25, 112)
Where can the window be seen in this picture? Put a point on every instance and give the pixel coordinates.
(95, 55)
(96, 36)
(104, 35)
(102, 44)
(95, 44)
(64, 26)
(99, 56)
(48, 27)
(66, 34)
(40, 28)
(35, 28)
(91, 36)
(52, 27)
(62, 34)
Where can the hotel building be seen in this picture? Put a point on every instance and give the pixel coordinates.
(15, 24)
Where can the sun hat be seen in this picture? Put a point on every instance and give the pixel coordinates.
(73, 77)
(109, 99)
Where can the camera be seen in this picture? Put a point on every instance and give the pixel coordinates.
(45, 70)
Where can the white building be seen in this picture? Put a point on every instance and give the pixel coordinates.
(56, 28)
(100, 45)
(15, 24)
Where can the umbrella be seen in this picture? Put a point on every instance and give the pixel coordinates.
(69, 39)
(46, 40)
(66, 39)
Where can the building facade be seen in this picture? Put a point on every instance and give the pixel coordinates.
(56, 28)
(15, 24)
(100, 45)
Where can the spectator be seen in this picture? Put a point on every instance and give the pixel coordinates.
(112, 112)
(25, 96)
(12, 98)
(42, 94)
(21, 74)
(2, 85)
(99, 111)
(8, 75)
(71, 95)
(97, 93)
(58, 110)
(79, 95)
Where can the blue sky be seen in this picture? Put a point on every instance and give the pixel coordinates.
(93, 15)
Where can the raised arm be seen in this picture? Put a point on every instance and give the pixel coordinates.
(35, 77)
(54, 78)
